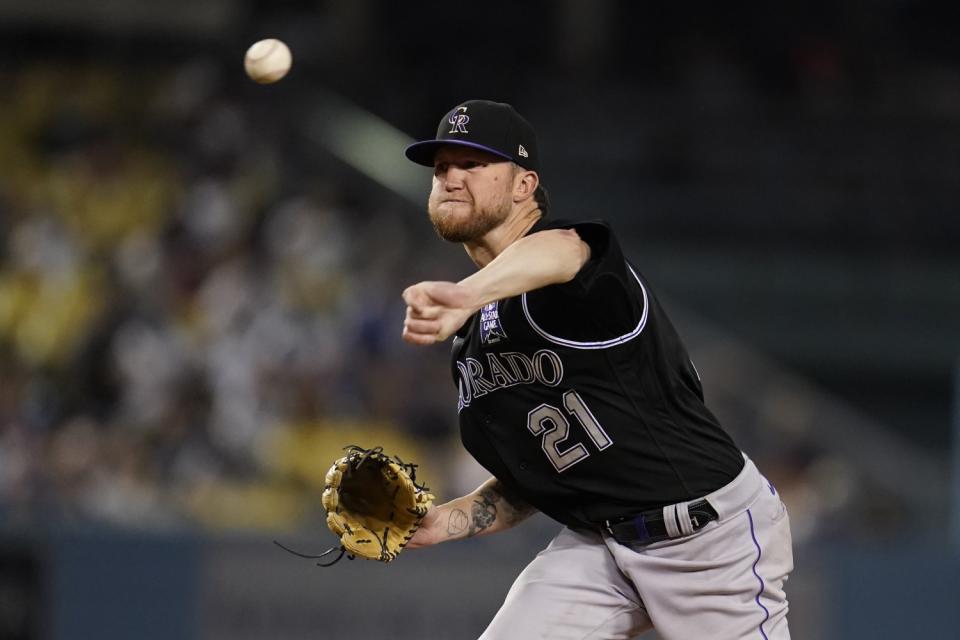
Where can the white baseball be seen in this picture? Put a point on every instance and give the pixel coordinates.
(267, 60)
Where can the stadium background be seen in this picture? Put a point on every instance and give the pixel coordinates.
(200, 279)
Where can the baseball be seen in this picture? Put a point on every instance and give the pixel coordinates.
(267, 60)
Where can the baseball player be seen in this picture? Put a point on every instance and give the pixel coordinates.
(577, 395)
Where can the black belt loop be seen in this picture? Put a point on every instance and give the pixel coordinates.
(648, 526)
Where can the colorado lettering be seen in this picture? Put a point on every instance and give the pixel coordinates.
(503, 370)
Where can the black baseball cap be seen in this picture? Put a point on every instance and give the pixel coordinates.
(495, 127)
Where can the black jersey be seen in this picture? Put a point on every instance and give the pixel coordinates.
(581, 398)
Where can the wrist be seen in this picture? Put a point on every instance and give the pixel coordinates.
(473, 294)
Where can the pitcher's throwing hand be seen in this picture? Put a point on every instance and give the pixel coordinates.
(435, 310)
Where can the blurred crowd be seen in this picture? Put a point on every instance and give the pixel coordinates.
(194, 318)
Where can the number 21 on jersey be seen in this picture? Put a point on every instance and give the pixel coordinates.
(552, 425)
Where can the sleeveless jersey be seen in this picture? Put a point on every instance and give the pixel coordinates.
(581, 398)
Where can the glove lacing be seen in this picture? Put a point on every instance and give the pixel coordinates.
(325, 553)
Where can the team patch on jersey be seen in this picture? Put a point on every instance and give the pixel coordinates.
(491, 331)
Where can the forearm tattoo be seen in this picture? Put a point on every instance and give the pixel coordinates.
(493, 502)
(457, 522)
(483, 513)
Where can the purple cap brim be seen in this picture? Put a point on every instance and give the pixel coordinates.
(423, 152)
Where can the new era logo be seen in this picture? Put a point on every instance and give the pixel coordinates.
(523, 152)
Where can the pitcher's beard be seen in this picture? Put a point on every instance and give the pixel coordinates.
(457, 228)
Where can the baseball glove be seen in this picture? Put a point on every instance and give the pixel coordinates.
(373, 502)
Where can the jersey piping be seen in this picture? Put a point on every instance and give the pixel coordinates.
(602, 344)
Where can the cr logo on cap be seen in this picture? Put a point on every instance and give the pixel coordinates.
(459, 120)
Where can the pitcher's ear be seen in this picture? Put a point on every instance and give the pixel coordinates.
(526, 185)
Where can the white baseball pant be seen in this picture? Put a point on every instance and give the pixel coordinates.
(723, 582)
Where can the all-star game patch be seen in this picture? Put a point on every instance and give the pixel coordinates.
(491, 331)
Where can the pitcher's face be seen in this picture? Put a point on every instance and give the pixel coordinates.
(472, 192)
